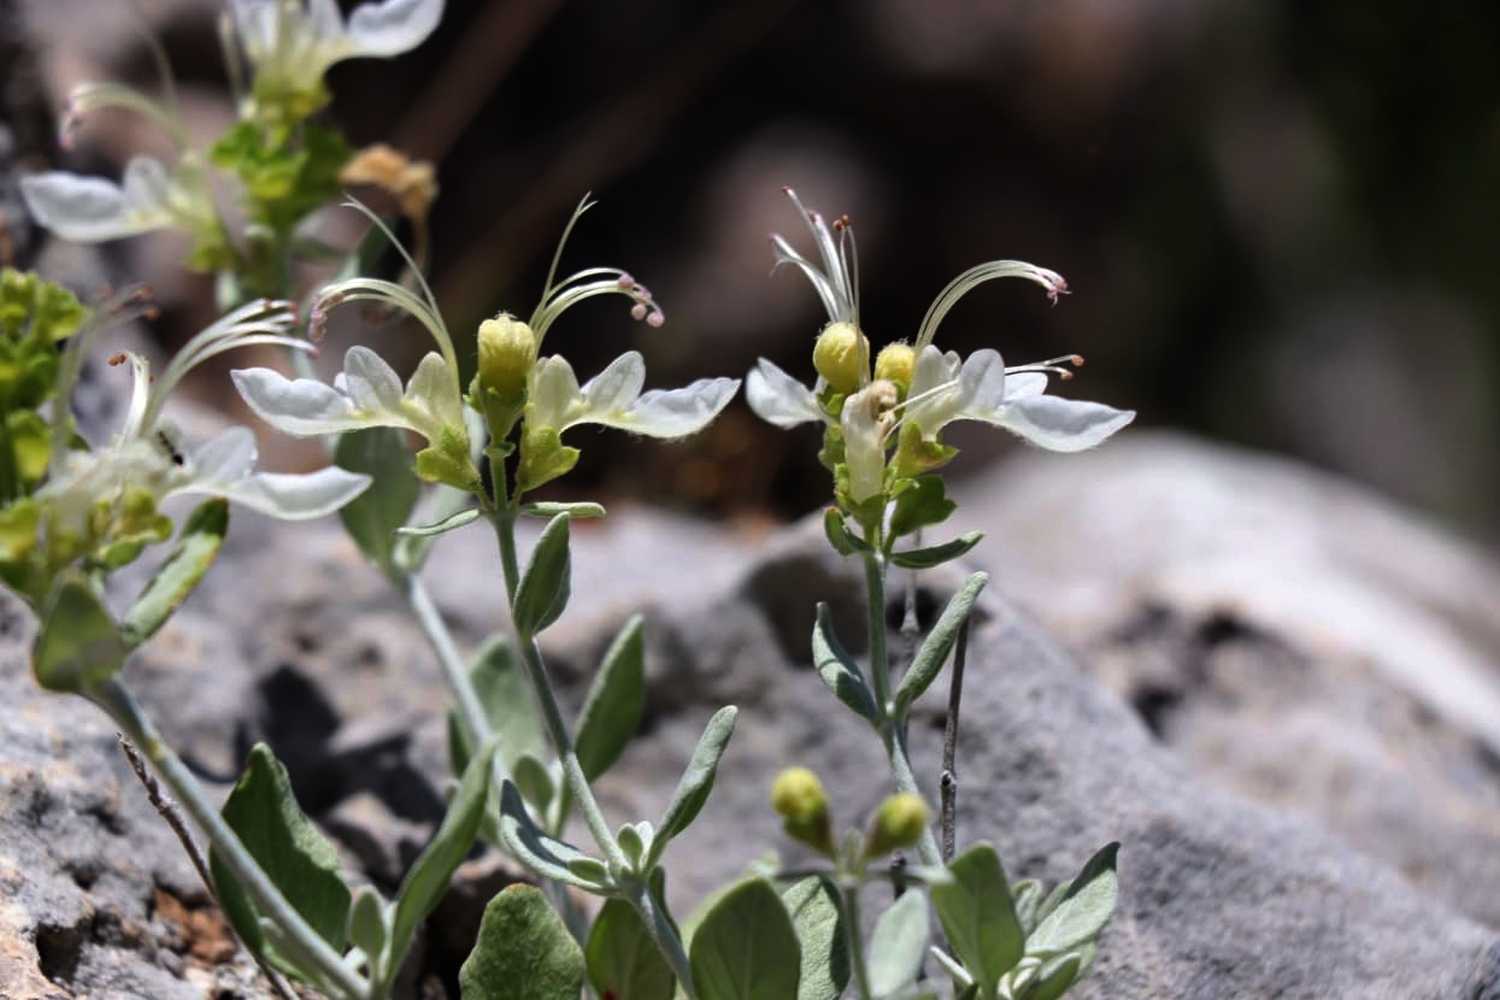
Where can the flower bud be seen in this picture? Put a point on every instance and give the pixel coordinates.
(798, 798)
(507, 352)
(839, 356)
(895, 364)
(899, 822)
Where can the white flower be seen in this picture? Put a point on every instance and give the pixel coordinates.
(147, 454)
(982, 388)
(93, 209)
(291, 44)
(367, 393)
(613, 398)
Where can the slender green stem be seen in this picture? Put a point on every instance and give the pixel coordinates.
(891, 734)
(880, 667)
(665, 935)
(505, 528)
(471, 715)
(854, 937)
(567, 755)
(128, 715)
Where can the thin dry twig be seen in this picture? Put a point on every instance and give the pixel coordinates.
(948, 784)
(168, 811)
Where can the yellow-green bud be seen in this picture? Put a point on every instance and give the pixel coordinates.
(798, 798)
(507, 352)
(899, 822)
(839, 356)
(894, 365)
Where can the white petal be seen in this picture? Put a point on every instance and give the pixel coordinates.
(291, 497)
(255, 24)
(935, 394)
(779, 399)
(373, 385)
(92, 209)
(1022, 384)
(226, 457)
(324, 19)
(302, 407)
(554, 394)
(392, 27)
(615, 390)
(982, 379)
(433, 390)
(675, 413)
(1059, 424)
(866, 421)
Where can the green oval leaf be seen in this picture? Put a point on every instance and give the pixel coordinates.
(367, 926)
(979, 918)
(373, 517)
(813, 904)
(428, 878)
(497, 679)
(78, 645)
(616, 700)
(623, 961)
(838, 670)
(925, 503)
(1084, 908)
(839, 536)
(551, 509)
(524, 952)
(936, 555)
(198, 545)
(928, 662)
(696, 783)
(898, 944)
(746, 947)
(544, 589)
(297, 859)
(455, 520)
(1054, 979)
(543, 854)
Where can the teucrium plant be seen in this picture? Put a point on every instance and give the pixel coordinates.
(73, 512)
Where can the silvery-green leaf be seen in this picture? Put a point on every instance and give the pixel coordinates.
(746, 947)
(898, 944)
(616, 699)
(979, 918)
(373, 519)
(814, 907)
(430, 874)
(1054, 978)
(543, 854)
(550, 509)
(78, 644)
(542, 595)
(367, 926)
(697, 781)
(294, 855)
(524, 952)
(839, 536)
(1083, 910)
(838, 670)
(936, 555)
(447, 524)
(934, 650)
(623, 961)
(198, 545)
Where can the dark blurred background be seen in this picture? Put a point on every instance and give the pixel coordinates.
(1278, 218)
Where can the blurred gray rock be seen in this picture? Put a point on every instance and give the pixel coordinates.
(1273, 698)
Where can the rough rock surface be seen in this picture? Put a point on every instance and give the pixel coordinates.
(1359, 872)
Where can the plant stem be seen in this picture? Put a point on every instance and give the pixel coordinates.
(665, 936)
(853, 936)
(891, 733)
(471, 715)
(128, 715)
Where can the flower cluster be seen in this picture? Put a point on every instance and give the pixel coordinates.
(515, 387)
(913, 391)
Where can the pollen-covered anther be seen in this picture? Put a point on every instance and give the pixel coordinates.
(116, 360)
